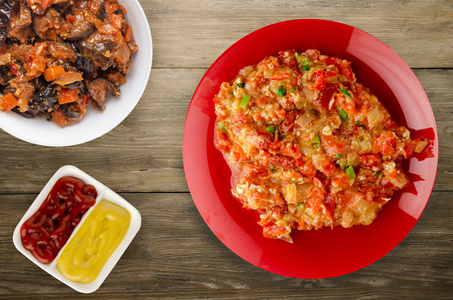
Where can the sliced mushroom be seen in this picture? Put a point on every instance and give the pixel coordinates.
(81, 26)
(99, 89)
(46, 25)
(44, 100)
(6, 9)
(98, 49)
(84, 65)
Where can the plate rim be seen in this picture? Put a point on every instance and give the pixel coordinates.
(431, 117)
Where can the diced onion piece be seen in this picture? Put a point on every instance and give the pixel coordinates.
(69, 77)
(420, 146)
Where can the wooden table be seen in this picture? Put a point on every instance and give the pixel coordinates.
(175, 255)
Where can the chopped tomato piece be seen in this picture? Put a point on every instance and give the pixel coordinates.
(13, 69)
(67, 95)
(333, 144)
(371, 161)
(384, 143)
(128, 33)
(280, 76)
(70, 18)
(45, 4)
(59, 117)
(323, 100)
(389, 124)
(273, 231)
(308, 169)
(320, 82)
(222, 142)
(316, 194)
(346, 71)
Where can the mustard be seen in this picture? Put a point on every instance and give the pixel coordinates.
(97, 238)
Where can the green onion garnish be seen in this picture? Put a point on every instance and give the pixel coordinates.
(270, 129)
(293, 89)
(273, 169)
(240, 84)
(377, 173)
(281, 91)
(338, 155)
(306, 68)
(245, 101)
(345, 91)
(343, 114)
(282, 136)
(316, 141)
(298, 58)
(350, 172)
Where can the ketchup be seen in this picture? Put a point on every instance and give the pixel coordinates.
(49, 228)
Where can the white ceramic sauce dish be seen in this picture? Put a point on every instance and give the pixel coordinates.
(103, 192)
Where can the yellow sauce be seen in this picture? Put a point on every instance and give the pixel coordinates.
(99, 235)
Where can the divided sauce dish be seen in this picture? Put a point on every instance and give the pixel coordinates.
(103, 192)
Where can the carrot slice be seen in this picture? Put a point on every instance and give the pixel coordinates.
(52, 73)
(8, 101)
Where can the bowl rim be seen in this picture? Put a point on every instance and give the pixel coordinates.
(61, 140)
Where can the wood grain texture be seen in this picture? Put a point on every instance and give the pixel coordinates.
(416, 30)
(175, 255)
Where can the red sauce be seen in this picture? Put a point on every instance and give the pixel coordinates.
(49, 228)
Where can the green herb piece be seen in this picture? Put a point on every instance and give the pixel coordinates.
(281, 91)
(270, 129)
(338, 155)
(294, 181)
(273, 169)
(293, 89)
(240, 84)
(298, 58)
(221, 126)
(315, 142)
(245, 101)
(282, 136)
(345, 91)
(350, 172)
(302, 205)
(306, 68)
(377, 173)
(343, 114)
(360, 124)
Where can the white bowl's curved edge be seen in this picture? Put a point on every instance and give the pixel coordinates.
(41, 132)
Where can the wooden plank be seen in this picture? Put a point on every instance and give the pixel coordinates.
(144, 153)
(176, 256)
(187, 33)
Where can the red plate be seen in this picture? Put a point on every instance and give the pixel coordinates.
(323, 253)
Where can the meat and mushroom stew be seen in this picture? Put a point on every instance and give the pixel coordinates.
(56, 56)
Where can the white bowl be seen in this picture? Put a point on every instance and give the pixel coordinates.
(103, 193)
(94, 124)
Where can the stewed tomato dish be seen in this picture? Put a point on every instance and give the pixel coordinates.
(309, 147)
